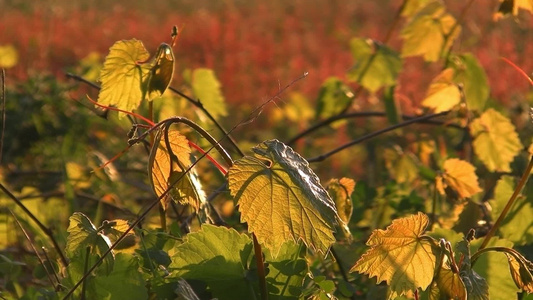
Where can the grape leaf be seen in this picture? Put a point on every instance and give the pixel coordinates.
(185, 291)
(8, 56)
(218, 256)
(450, 284)
(122, 75)
(442, 94)
(428, 33)
(165, 168)
(413, 6)
(470, 73)
(512, 6)
(333, 97)
(83, 234)
(521, 270)
(476, 286)
(161, 72)
(494, 268)
(376, 65)
(496, 142)
(460, 176)
(206, 89)
(401, 255)
(517, 226)
(281, 198)
(401, 165)
(341, 191)
(287, 271)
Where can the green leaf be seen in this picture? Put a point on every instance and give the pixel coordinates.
(401, 165)
(425, 34)
(206, 89)
(517, 226)
(165, 167)
(282, 199)
(333, 98)
(287, 271)
(161, 71)
(496, 142)
(470, 74)
(83, 234)
(8, 56)
(494, 268)
(122, 75)
(376, 65)
(185, 291)
(401, 255)
(219, 257)
(442, 94)
(476, 286)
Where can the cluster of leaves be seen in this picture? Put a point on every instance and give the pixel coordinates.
(293, 237)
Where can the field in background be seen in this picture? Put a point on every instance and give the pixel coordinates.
(255, 46)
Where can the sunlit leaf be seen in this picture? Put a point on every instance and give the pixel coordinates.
(512, 7)
(517, 226)
(8, 56)
(442, 94)
(333, 98)
(413, 6)
(401, 165)
(207, 90)
(496, 142)
(123, 74)
(161, 71)
(281, 198)
(521, 270)
(219, 257)
(494, 268)
(460, 176)
(476, 285)
(116, 228)
(429, 32)
(82, 235)
(165, 168)
(401, 255)
(471, 75)
(287, 271)
(296, 109)
(341, 191)
(450, 284)
(373, 72)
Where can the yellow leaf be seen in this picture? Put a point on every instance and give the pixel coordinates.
(461, 177)
(521, 272)
(512, 6)
(282, 199)
(163, 168)
(450, 284)
(122, 75)
(442, 94)
(425, 34)
(8, 56)
(340, 191)
(161, 72)
(496, 142)
(400, 255)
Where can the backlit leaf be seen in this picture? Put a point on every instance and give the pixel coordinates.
(341, 191)
(122, 75)
(164, 168)
(460, 176)
(206, 89)
(471, 75)
(442, 94)
(8, 56)
(512, 7)
(450, 284)
(517, 227)
(401, 165)
(83, 234)
(333, 97)
(521, 271)
(401, 255)
(496, 142)
(219, 257)
(476, 285)
(373, 72)
(425, 34)
(161, 71)
(281, 198)
(287, 271)
(413, 6)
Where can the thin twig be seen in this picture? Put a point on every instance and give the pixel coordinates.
(341, 268)
(260, 268)
(366, 114)
(3, 100)
(373, 134)
(45, 229)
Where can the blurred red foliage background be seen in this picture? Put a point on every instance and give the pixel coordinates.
(256, 46)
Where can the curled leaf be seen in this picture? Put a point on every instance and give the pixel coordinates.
(443, 93)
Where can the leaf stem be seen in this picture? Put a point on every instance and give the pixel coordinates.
(374, 134)
(509, 204)
(45, 229)
(3, 102)
(260, 268)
